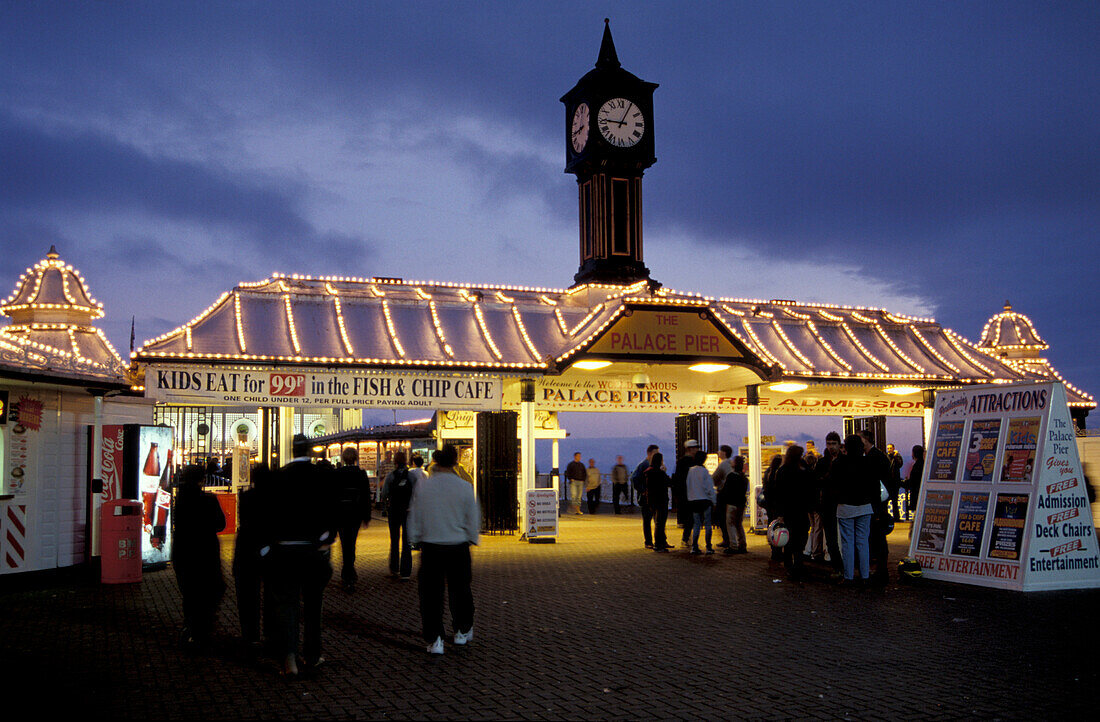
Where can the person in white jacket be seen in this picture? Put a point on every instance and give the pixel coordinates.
(701, 497)
(444, 520)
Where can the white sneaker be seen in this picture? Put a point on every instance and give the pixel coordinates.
(436, 647)
(464, 637)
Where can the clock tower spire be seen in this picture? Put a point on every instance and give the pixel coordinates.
(609, 144)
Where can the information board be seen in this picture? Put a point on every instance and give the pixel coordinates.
(1003, 502)
(542, 513)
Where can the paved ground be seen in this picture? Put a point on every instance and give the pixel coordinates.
(592, 627)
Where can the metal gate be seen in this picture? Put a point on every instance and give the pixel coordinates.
(877, 425)
(498, 471)
(703, 427)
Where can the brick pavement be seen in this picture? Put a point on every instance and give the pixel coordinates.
(591, 627)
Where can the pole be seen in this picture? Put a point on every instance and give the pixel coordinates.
(756, 467)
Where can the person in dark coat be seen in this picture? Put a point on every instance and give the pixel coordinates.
(657, 484)
(912, 483)
(196, 556)
(770, 507)
(352, 509)
(247, 570)
(637, 479)
(300, 530)
(793, 492)
(678, 484)
(827, 500)
(881, 523)
(397, 491)
(735, 495)
(854, 481)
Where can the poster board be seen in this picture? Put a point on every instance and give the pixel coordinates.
(1003, 501)
(542, 513)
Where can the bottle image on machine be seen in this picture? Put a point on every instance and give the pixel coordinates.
(163, 497)
(152, 461)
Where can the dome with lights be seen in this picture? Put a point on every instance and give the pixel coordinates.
(52, 311)
(1011, 334)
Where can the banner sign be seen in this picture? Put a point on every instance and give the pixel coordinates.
(1021, 471)
(664, 333)
(306, 387)
(575, 392)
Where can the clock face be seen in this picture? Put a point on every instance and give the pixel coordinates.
(621, 122)
(579, 132)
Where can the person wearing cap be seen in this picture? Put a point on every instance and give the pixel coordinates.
(679, 490)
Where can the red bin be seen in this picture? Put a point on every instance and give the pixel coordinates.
(120, 541)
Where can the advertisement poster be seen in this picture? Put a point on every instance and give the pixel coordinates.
(154, 483)
(945, 452)
(1009, 519)
(969, 524)
(26, 420)
(981, 453)
(542, 513)
(1019, 461)
(933, 525)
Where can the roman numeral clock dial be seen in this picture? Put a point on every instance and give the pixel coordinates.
(579, 132)
(621, 122)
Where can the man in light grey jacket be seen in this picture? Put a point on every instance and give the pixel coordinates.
(444, 520)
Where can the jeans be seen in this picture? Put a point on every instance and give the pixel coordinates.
(400, 551)
(349, 532)
(700, 514)
(299, 575)
(447, 564)
(593, 500)
(576, 493)
(855, 542)
(616, 490)
(660, 518)
(735, 518)
(647, 521)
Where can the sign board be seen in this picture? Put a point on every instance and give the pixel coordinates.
(305, 387)
(665, 333)
(542, 513)
(1003, 500)
(577, 391)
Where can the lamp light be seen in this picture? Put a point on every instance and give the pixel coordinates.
(591, 365)
(789, 387)
(901, 390)
(708, 368)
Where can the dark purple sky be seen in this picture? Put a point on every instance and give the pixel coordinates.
(929, 158)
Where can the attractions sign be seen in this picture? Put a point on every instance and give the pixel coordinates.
(1003, 500)
(305, 387)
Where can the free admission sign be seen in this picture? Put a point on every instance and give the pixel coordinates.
(1003, 500)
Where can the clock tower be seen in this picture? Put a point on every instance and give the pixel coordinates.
(609, 144)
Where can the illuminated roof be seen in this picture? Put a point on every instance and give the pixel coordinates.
(51, 331)
(381, 322)
(1011, 333)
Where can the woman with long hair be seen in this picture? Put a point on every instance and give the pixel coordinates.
(856, 489)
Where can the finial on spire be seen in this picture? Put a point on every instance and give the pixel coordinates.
(608, 57)
(1008, 306)
(52, 254)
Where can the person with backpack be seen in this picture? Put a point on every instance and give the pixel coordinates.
(352, 510)
(397, 491)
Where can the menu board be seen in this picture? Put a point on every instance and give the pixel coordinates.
(970, 523)
(1019, 461)
(1009, 519)
(981, 454)
(945, 454)
(934, 520)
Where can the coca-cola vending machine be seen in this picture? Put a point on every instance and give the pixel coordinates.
(147, 473)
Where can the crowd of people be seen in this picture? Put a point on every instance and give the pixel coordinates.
(837, 507)
(287, 523)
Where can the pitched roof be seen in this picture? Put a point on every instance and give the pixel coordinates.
(381, 322)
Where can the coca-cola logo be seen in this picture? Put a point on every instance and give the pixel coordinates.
(109, 472)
